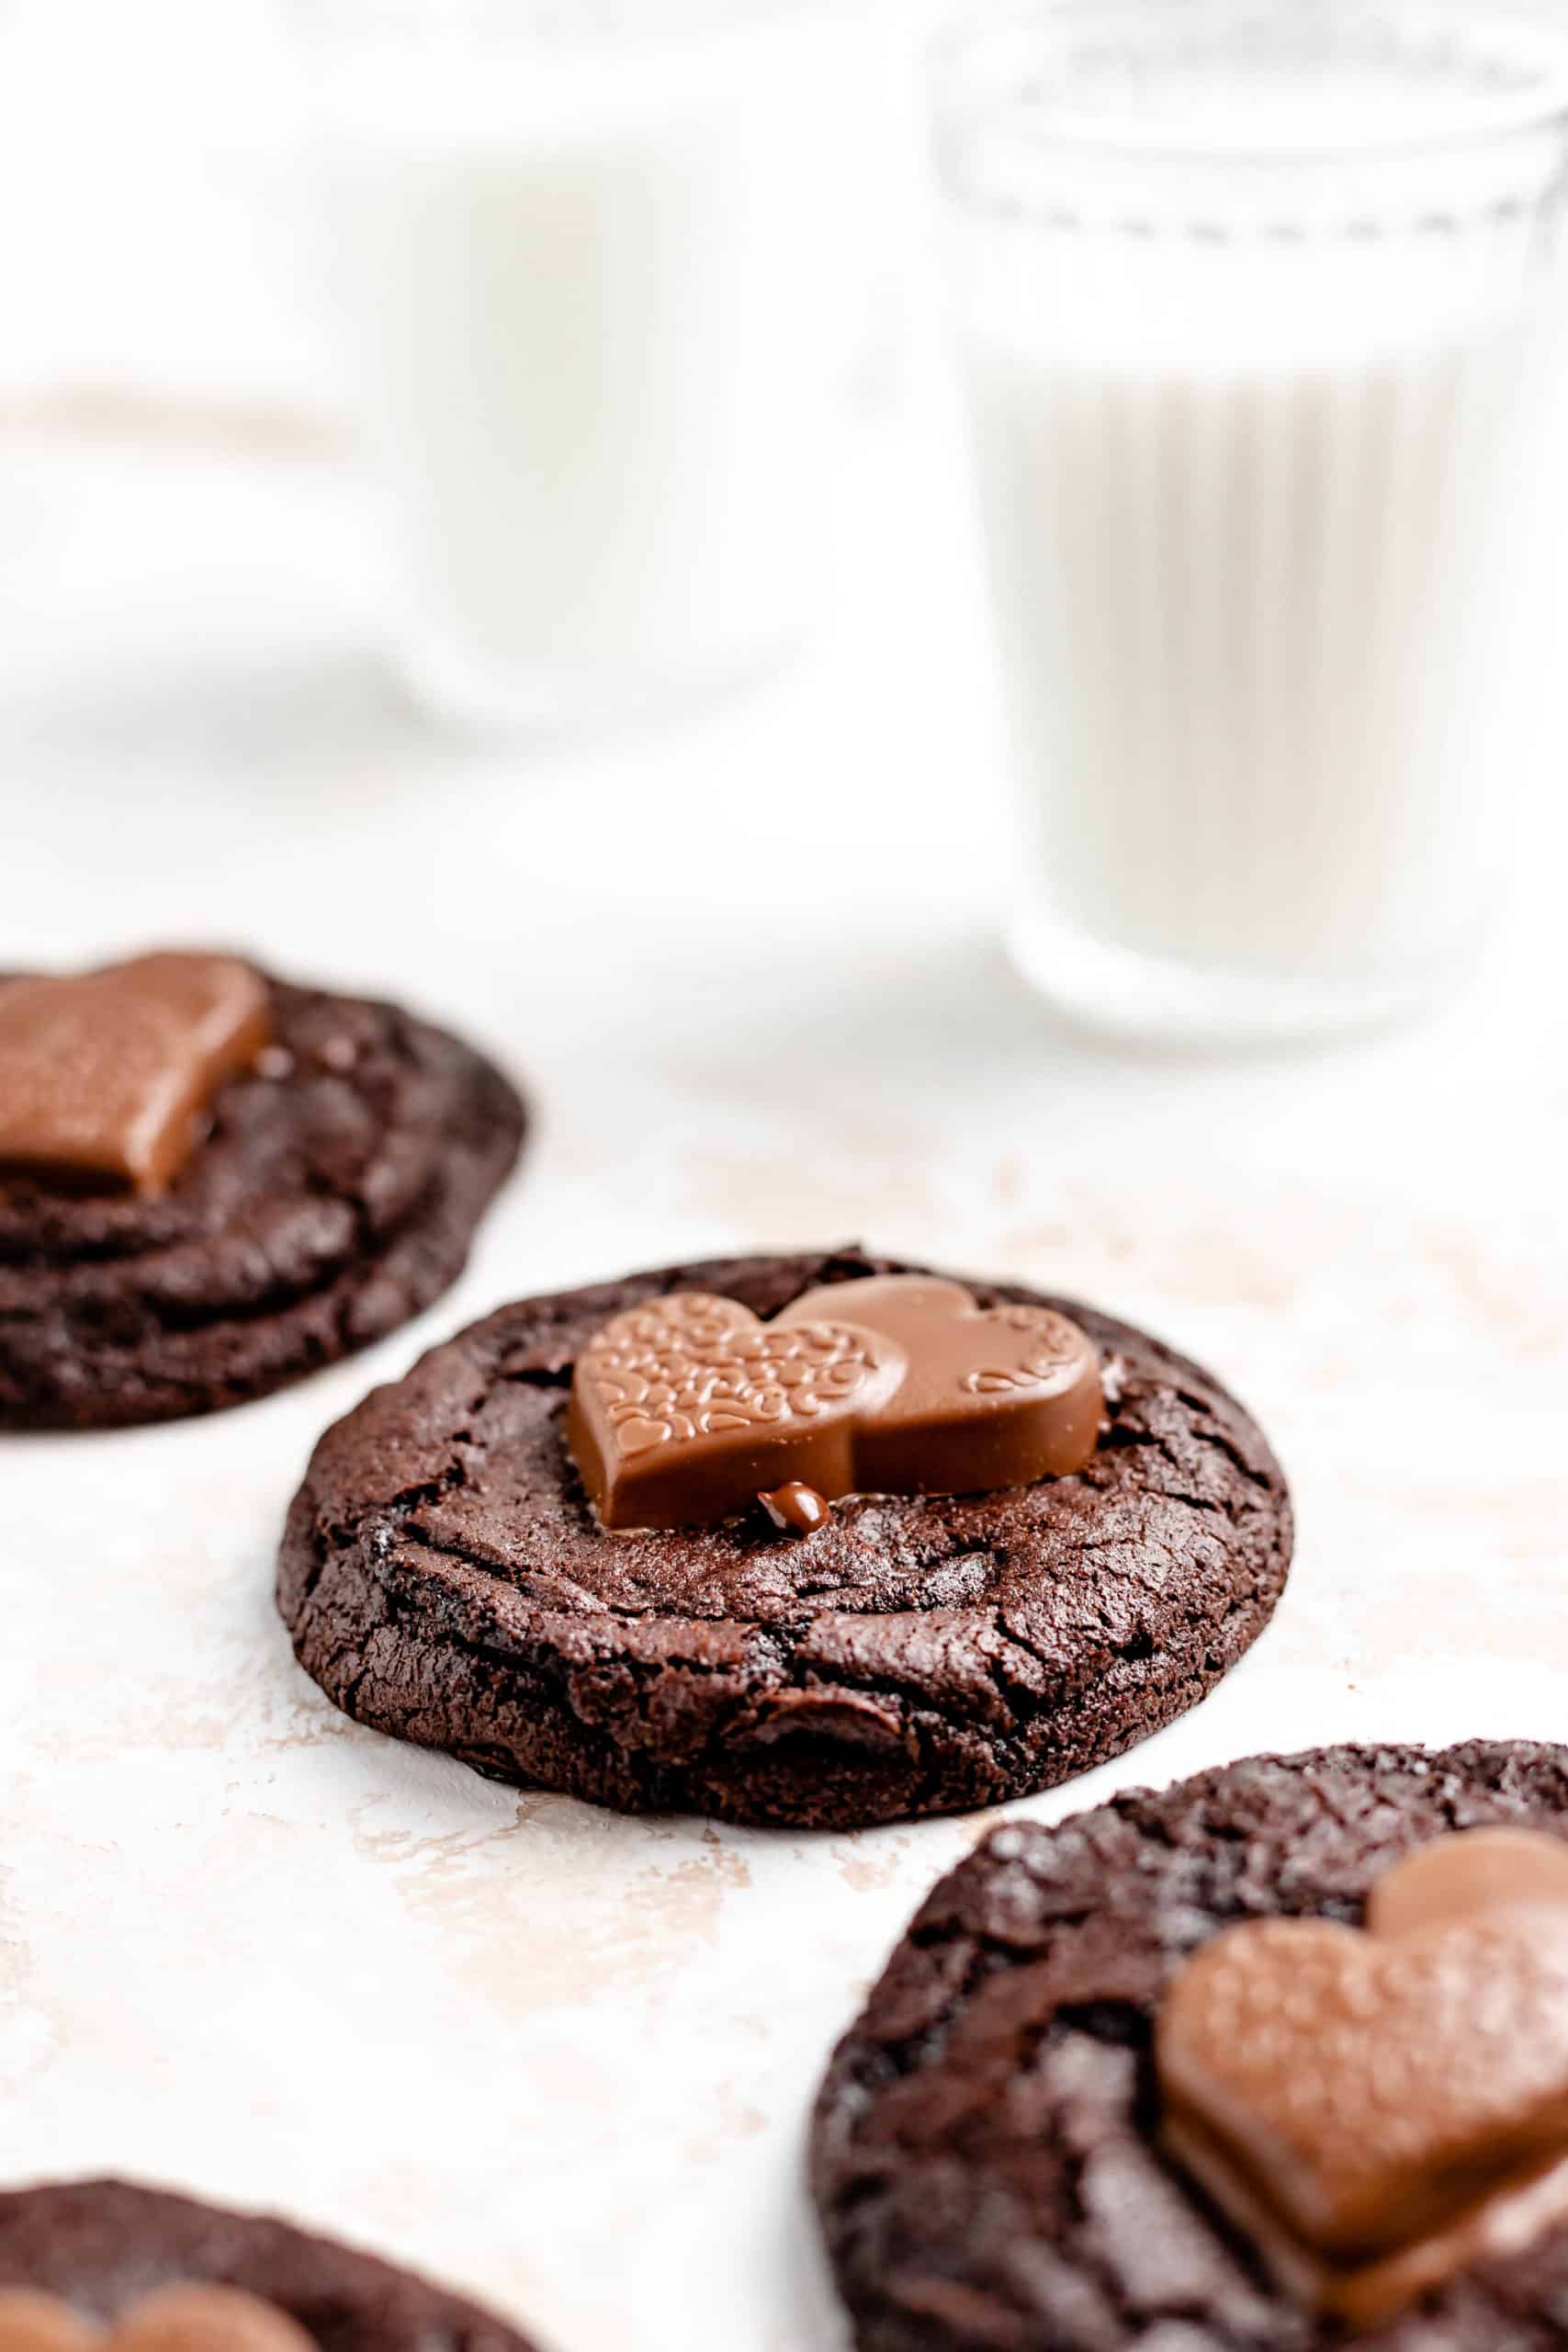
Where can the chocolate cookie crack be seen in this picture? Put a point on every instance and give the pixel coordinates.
(967, 2125)
(913, 1655)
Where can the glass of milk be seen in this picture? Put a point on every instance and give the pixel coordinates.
(1259, 308)
(593, 256)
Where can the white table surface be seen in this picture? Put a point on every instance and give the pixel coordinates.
(746, 967)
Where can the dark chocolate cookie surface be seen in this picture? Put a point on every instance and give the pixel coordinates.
(984, 2158)
(335, 1197)
(445, 1579)
(102, 2245)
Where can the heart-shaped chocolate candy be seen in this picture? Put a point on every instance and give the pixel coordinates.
(190, 2318)
(1473, 1874)
(1379, 2107)
(102, 1074)
(683, 1410)
(994, 1395)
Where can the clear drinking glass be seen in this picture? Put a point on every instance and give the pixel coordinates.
(1261, 310)
(593, 256)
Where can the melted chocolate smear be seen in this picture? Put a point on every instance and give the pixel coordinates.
(795, 1508)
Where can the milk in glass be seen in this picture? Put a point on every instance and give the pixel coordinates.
(600, 310)
(1248, 603)
(1260, 453)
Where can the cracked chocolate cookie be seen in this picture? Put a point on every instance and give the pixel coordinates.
(446, 1579)
(211, 1182)
(991, 2154)
(108, 2250)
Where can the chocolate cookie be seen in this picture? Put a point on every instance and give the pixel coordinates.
(446, 1580)
(335, 1194)
(103, 2246)
(985, 2155)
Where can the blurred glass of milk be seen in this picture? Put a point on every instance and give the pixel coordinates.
(1261, 308)
(600, 266)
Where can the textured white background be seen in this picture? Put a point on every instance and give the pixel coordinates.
(746, 966)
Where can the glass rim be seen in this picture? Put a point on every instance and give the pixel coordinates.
(556, 27)
(978, 21)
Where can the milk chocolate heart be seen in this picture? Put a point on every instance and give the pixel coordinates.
(683, 1410)
(191, 2318)
(994, 1395)
(102, 1074)
(1471, 1876)
(1378, 2107)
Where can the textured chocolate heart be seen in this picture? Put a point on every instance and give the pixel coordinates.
(683, 1410)
(194, 2318)
(1476, 1874)
(994, 1395)
(1356, 2099)
(687, 1408)
(102, 1074)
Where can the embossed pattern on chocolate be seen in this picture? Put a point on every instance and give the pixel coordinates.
(1052, 1343)
(897, 1303)
(899, 1385)
(993, 1396)
(688, 1367)
(683, 1410)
